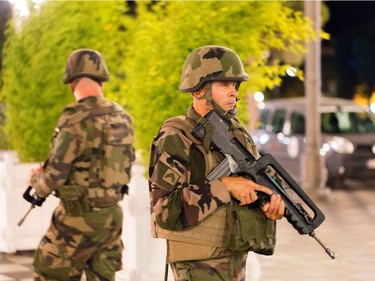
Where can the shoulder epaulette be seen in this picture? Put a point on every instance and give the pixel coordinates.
(182, 123)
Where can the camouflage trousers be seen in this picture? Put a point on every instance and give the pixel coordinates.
(232, 268)
(75, 244)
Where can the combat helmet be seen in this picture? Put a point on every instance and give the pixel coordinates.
(86, 63)
(211, 63)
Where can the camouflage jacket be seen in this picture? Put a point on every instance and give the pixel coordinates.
(92, 148)
(180, 195)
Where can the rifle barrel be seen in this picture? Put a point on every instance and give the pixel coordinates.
(327, 250)
(24, 217)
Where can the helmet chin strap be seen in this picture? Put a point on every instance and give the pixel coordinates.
(225, 114)
(210, 102)
(208, 94)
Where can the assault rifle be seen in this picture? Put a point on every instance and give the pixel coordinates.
(239, 161)
(33, 199)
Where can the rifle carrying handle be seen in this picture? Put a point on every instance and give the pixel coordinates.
(311, 222)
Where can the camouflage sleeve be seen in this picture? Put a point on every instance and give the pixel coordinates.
(176, 202)
(65, 148)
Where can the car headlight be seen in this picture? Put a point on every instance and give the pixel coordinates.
(339, 145)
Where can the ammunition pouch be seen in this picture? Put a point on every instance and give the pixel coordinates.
(78, 200)
(75, 208)
(71, 199)
(250, 230)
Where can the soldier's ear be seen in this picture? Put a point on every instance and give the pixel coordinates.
(200, 93)
(70, 86)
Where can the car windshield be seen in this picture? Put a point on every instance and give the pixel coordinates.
(342, 122)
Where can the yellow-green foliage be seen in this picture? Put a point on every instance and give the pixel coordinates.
(145, 55)
(34, 62)
(166, 34)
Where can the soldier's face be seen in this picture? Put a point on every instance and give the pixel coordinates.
(224, 93)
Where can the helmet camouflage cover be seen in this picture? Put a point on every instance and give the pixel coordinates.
(211, 63)
(86, 63)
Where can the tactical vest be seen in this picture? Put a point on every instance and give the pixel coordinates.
(217, 234)
(96, 187)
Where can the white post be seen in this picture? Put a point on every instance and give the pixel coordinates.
(311, 163)
(10, 159)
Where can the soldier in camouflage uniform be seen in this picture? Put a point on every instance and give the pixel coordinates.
(209, 225)
(89, 169)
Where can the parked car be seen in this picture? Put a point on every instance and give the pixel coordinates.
(348, 138)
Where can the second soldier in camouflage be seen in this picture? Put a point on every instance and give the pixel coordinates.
(89, 169)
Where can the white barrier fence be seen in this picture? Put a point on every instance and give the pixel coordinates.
(13, 176)
(144, 257)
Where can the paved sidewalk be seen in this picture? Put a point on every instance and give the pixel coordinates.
(16, 267)
(349, 230)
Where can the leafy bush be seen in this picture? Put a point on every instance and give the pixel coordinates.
(144, 53)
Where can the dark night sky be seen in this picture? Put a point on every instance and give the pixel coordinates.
(349, 14)
(352, 29)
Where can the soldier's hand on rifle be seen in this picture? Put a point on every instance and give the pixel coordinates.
(244, 190)
(33, 172)
(274, 209)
